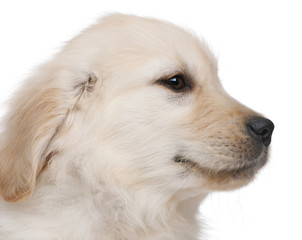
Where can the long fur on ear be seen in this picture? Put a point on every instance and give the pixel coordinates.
(36, 113)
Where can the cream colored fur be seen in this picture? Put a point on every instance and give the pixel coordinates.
(88, 142)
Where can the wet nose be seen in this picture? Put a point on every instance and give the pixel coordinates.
(261, 128)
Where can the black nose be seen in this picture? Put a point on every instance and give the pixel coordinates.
(261, 128)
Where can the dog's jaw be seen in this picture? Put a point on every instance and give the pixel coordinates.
(224, 178)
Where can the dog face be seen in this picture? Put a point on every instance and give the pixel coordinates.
(137, 102)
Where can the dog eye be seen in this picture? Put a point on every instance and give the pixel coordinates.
(176, 83)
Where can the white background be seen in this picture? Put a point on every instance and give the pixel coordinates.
(259, 47)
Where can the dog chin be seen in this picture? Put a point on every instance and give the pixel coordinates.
(227, 178)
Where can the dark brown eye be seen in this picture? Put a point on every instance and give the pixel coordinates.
(176, 83)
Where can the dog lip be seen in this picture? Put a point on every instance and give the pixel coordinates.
(179, 159)
(247, 170)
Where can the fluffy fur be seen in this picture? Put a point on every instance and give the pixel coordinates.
(96, 146)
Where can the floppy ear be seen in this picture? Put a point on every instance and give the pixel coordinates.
(36, 114)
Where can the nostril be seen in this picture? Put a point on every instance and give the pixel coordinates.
(261, 127)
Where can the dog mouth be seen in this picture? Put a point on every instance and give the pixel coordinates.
(242, 171)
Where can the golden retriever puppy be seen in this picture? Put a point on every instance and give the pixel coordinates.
(122, 135)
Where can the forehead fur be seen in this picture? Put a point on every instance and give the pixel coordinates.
(118, 36)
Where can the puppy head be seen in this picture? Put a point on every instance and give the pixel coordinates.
(157, 115)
